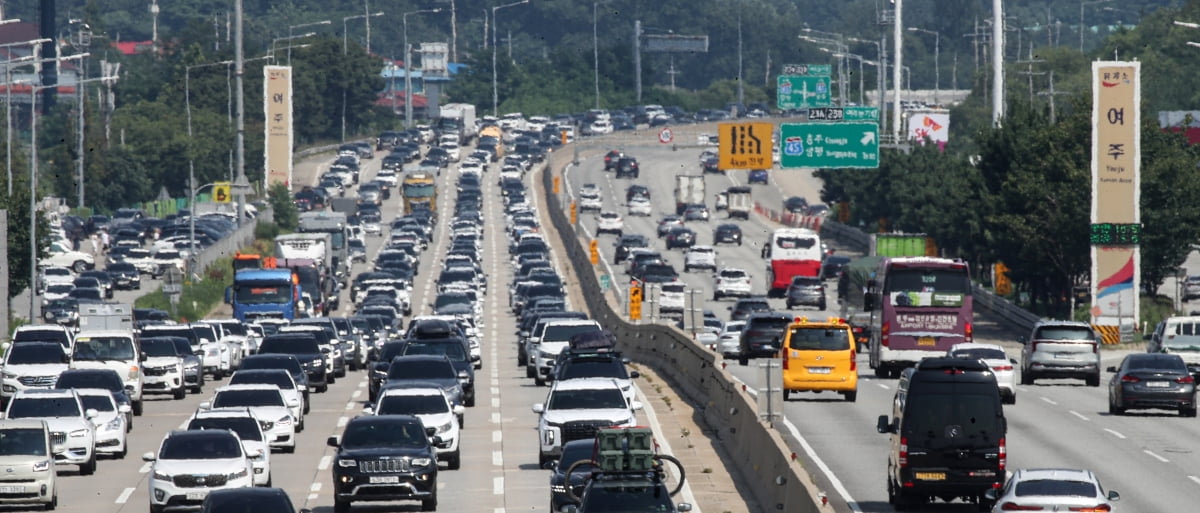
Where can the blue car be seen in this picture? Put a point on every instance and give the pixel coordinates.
(758, 176)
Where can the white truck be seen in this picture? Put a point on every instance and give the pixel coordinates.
(105, 316)
(689, 190)
(738, 202)
(457, 118)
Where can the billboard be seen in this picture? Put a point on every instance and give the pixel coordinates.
(277, 140)
(675, 43)
(1116, 188)
(934, 125)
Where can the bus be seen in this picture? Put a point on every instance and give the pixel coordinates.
(919, 306)
(791, 252)
(419, 188)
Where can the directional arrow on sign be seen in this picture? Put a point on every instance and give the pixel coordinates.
(867, 138)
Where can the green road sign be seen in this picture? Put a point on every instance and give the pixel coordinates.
(829, 145)
(856, 113)
(605, 282)
(812, 70)
(802, 92)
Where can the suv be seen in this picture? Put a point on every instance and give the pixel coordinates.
(590, 200)
(189, 464)
(1061, 349)
(762, 336)
(428, 402)
(609, 222)
(947, 431)
(745, 307)
(627, 167)
(807, 291)
(116, 350)
(727, 233)
(31, 365)
(820, 356)
(28, 457)
(385, 458)
(700, 257)
(163, 367)
(612, 158)
(71, 430)
(576, 409)
(731, 281)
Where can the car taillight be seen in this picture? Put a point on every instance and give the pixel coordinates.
(968, 332)
(1012, 506)
(1033, 347)
(1129, 379)
(1096, 508)
(853, 360)
(1003, 455)
(902, 457)
(1187, 380)
(883, 333)
(783, 353)
(1004, 368)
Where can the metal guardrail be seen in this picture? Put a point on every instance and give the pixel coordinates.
(241, 237)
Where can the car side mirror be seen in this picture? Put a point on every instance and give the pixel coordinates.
(257, 453)
(549, 465)
(205, 406)
(635, 405)
(333, 441)
(539, 408)
(682, 507)
(228, 295)
(149, 457)
(435, 440)
(91, 413)
(430, 431)
(1022, 340)
(1013, 361)
(884, 424)
(326, 350)
(293, 403)
(1113, 495)
(143, 357)
(635, 374)
(571, 508)
(463, 374)
(124, 408)
(1111, 369)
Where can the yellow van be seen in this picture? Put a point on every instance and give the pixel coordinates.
(819, 356)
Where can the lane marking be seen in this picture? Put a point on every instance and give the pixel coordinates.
(145, 468)
(124, 497)
(652, 418)
(1194, 479)
(362, 384)
(812, 454)
(357, 393)
(350, 405)
(883, 386)
(497, 436)
(1157, 457)
(1048, 400)
(498, 486)
(325, 462)
(342, 421)
(313, 496)
(496, 402)
(495, 417)
(1080, 415)
(498, 458)
(1115, 433)
(316, 487)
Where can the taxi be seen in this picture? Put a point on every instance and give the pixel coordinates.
(819, 356)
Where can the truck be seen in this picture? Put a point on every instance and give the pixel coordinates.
(689, 190)
(901, 245)
(738, 202)
(457, 118)
(105, 316)
(419, 190)
(335, 224)
(264, 294)
(348, 206)
(309, 258)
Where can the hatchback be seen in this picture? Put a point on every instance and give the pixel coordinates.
(1152, 380)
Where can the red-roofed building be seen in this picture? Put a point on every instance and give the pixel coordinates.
(133, 47)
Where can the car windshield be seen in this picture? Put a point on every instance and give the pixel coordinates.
(365, 435)
(1156, 363)
(259, 294)
(43, 407)
(587, 399)
(594, 368)
(32, 354)
(235, 398)
(419, 370)
(98, 402)
(412, 405)
(247, 428)
(824, 339)
(454, 350)
(279, 379)
(103, 349)
(980, 353)
(1064, 333)
(215, 447)
(158, 347)
(1055, 487)
(23, 442)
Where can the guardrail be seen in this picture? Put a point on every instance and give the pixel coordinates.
(227, 246)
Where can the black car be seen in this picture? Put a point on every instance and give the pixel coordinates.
(304, 346)
(430, 368)
(763, 335)
(727, 233)
(392, 458)
(680, 237)
(627, 242)
(611, 158)
(627, 167)
(636, 191)
(256, 499)
(806, 291)
(656, 273)
(746, 306)
(124, 275)
(106, 281)
(795, 205)
(457, 351)
(832, 266)
(1152, 380)
(572, 452)
(61, 311)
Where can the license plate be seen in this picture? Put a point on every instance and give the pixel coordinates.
(196, 496)
(926, 341)
(12, 489)
(1064, 356)
(931, 476)
(819, 370)
(1158, 384)
(384, 479)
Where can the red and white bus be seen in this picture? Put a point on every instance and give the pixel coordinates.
(791, 252)
(920, 306)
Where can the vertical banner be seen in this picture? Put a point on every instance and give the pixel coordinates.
(1116, 189)
(277, 107)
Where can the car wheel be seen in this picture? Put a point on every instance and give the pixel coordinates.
(79, 266)
(821, 306)
(137, 408)
(1093, 381)
(289, 449)
(521, 358)
(1026, 377)
(743, 360)
(322, 389)
(89, 468)
(530, 371)
(851, 396)
(429, 504)
(787, 395)
(881, 372)
(454, 461)
(179, 393)
(341, 505)
(1010, 398)
(537, 380)
(1187, 412)
(53, 503)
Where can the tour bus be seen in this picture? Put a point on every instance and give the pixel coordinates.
(791, 252)
(920, 306)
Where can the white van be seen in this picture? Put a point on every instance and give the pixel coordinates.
(1181, 336)
(117, 350)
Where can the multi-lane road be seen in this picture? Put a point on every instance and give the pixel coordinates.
(1150, 457)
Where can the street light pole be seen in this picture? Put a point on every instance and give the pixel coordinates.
(238, 72)
(595, 53)
(345, 51)
(408, 111)
(1081, 6)
(937, 71)
(302, 25)
(495, 28)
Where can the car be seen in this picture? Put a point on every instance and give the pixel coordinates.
(589, 188)
(1060, 349)
(549, 338)
(125, 275)
(731, 282)
(636, 191)
(833, 265)
(110, 423)
(668, 222)
(612, 158)
(384, 458)
(249, 430)
(806, 291)
(795, 205)
(627, 167)
(54, 275)
(628, 242)
(695, 213)
(576, 409)
(655, 272)
(758, 176)
(63, 412)
(729, 338)
(609, 222)
(429, 403)
(590, 201)
(266, 402)
(1178, 335)
(1152, 380)
(28, 457)
(680, 237)
(1052, 489)
(304, 348)
(639, 206)
(996, 359)
(700, 257)
(31, 365)
(286, 362)
(61, 256)
(763, 335)
(819, 356)
(190, 464)
(1191, 287)
(744, 307)
(402, 370)
(258, 499)
(727, 233)
(163, 367)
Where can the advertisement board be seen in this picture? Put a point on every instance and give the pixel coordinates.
(277, 140)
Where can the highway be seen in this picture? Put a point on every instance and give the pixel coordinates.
(1147, 456)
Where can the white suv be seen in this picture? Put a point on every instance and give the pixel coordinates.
(31, 365)
(190, 464)
(609, 222)
(162, 370)
(430, 404)
(576, 408)
(700, 257)
(590, 201)
(267, 403)
(731, 281)
(71, 430)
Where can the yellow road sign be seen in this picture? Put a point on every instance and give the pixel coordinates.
(744, 146)
(594, 251)
(221, 192)
(635, 302)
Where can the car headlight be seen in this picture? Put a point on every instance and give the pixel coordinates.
(319, 361)
(266, 425)
(445, 427)
(558, 488)
(192, 366)
(114, 424)
(285, 420)
(80, 433)
(422, 462)
(49, 314)
(347, 463)
(10, 375)
(161, 476)
(548, 435)
(41, 466)
(238, 475)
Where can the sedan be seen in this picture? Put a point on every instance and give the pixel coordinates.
(727, 233)
(680, 237)
(695, 213)
(1054, 489)
(993, 355)
(1152, 380)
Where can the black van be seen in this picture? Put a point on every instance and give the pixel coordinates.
(947, 434)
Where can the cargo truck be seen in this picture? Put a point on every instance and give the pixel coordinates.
(738, 202)
(333, 223)
(689, 190)
(419, 191)
(105, 316)
(459, 119)
(263, 294)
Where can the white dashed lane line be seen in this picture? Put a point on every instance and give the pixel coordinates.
(1115, 433)
(1049, 401)
(1079, 415)
(1157, 457)
(124, 497)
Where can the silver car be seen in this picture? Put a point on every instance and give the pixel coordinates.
(1061, 349)
(1053, 489)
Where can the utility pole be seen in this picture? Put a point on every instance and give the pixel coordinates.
(997, 61)
(239, 70)
(637, 57)
(1029, 70)
(1051, 93)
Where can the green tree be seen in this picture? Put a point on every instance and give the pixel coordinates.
(280, 198)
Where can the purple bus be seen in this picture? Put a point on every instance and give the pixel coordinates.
(920, 306)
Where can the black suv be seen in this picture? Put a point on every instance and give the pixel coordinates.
(762, 336)
(947, 432)
(629, 241)
(627, 167)
(727, 233)
(744, 307)
(385, 458)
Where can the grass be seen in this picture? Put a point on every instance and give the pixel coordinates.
(200, 298)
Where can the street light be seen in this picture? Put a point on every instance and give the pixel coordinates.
(937, 72)
(838, 41)
(345, 43)
(289, 38)
(595, 54)
(302, 25)
(1081, 6)
(860, 60)
(408, 69)
(495, 28)
(8, 98)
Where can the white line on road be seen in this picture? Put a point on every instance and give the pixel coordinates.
(498, 486)
(496, 402)
(652, 418)
(145, 468)
(1194, 479)
(325, 462)
(883, 386)
(1048, 400)
(498, 510)
(1157, 457)
(313, 496)
(316, 487)
(121, 499)
(495, 417)
(356, 393)
(497, 436)
(350, 405)
(498, 458)
(1080, 415)
(362, 384)
(342, 421)
(808, 449)
(1115, 433)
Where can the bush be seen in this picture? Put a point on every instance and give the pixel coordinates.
(198, 298)
(286, 216)
(266, 231)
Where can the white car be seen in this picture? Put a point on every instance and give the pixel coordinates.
(996, 359)
(63, 412)
(590, 201)
(61, 256)
(728, 341)
(162, 368)
(580, 403)
(54, 275)
(144, 261)
(452, 150)
(430, 404)
(589, 188)
(111, 421)
(190, 464)
(169, 257)
(267, 403)
(56, 291)
(248, 429)
(609, 222)
(471, 166)
(672, 297)
(31, 365)
(387, 176)
(700, 257)
(731, 281)
(600, 127)
(640, 206)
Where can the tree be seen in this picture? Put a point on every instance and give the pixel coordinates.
(280, 198)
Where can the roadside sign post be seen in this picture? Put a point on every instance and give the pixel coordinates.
(221, 192)
(829, 145)
(635, 301)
